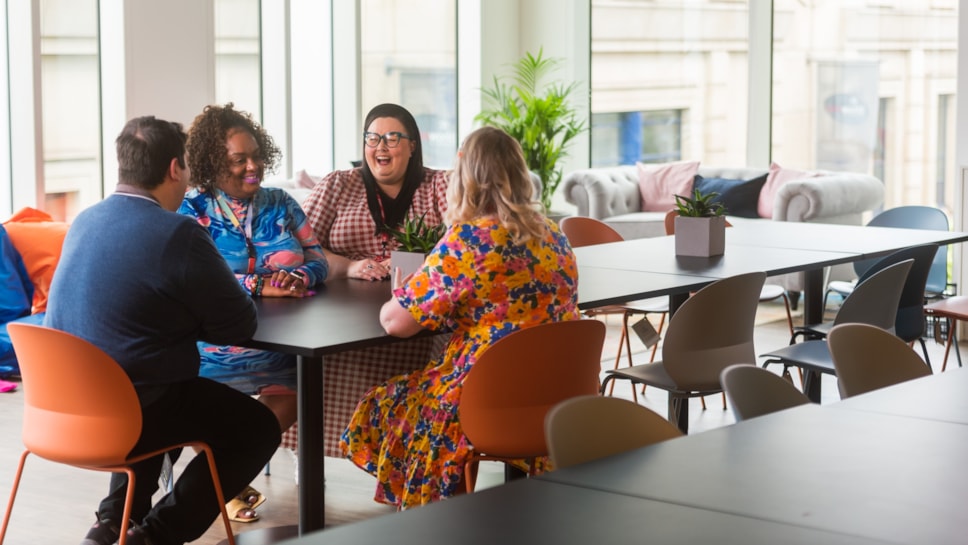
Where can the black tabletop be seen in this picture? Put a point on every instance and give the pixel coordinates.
(657, 255)
(939, 397)
(529, 512)
(869, 241)
(343, 315)
(599, 286)
(863, 473)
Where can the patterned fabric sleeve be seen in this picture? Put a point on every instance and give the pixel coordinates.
(314, 264)
(433, 292)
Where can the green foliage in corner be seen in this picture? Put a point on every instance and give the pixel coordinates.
(540, 117)
(699, 206)
(415, 235)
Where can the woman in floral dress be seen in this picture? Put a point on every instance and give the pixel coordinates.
(500, 267)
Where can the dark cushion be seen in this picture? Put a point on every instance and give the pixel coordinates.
(739, 197)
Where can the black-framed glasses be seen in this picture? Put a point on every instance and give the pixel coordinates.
(392, 138)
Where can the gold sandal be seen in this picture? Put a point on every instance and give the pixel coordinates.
(239, 511)
(251, 497)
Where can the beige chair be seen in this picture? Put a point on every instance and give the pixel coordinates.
(868, 358)
(754, 391)
(517, 380)
(770, 292)
(582, 231)
(586, 428)
(712, 330)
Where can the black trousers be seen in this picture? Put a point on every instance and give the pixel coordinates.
(241, 431)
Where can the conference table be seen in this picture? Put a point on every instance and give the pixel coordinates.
(775, 247)
(344, 313)
(859, 471)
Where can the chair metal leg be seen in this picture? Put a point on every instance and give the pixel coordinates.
(786, 303)
(679, 412)
(624, 342)
(655, 347)
(924, 350)
(13, 494)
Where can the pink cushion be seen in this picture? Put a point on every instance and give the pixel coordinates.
(774, 179)
(658, 184)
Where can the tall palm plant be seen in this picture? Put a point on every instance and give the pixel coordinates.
(538, 115)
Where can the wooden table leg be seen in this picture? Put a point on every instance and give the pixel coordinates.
(952, 323)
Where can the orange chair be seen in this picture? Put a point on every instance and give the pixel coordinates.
(584, 231)
(81, 409)
(502, 409)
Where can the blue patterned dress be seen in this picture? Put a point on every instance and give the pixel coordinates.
(284, 240)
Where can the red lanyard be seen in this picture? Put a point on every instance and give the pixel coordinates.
(382, 233)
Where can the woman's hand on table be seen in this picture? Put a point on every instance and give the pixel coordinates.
(286, 284)
(368, 269)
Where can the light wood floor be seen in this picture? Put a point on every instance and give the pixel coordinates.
(56, 503)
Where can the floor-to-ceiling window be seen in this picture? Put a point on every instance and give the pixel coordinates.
(414, 69)
(669, 81)
(70, 103)
(238, 74)
(868, 86)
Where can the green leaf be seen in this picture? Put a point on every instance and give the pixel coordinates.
(538, 115)
(415, 235)
(699, 206)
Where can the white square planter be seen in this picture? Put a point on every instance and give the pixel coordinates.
(702, 237)
(408, 262)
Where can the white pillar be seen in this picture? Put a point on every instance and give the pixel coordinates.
(25, 163)
(157, 58)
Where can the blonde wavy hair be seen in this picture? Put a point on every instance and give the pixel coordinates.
(492, 179)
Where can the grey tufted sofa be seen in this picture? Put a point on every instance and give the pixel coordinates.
(612, 195)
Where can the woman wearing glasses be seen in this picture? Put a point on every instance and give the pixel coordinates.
(352, 211)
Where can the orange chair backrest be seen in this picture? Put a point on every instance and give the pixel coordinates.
(582, 231)
(519, 378)
(80, 407)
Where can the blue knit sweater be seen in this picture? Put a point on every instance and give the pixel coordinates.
(144, 284)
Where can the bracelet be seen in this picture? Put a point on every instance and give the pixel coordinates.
(257, 290)
(300, 275)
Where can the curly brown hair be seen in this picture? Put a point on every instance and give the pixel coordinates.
(207, 154)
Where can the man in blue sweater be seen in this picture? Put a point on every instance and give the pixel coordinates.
(144, 284)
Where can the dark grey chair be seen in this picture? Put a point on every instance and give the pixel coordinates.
(874, 301)
(909, 322)
(908, 217)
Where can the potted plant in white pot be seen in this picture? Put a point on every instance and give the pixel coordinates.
(538, 115)
(416, 239)
(700, 228)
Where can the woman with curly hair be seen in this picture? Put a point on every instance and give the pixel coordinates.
(266, 240)
(501, 266)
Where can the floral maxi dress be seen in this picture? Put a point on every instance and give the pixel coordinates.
(480, 286)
